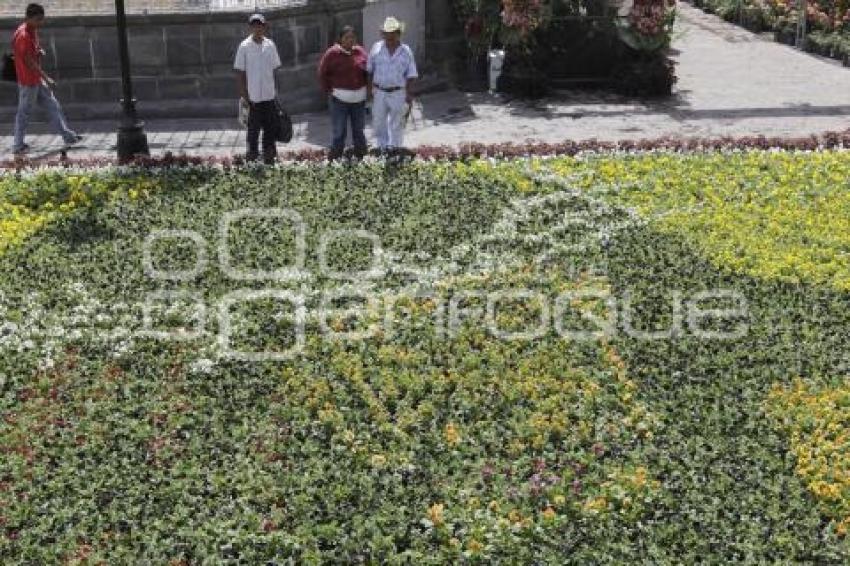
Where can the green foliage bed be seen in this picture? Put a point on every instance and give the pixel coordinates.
(408, 432)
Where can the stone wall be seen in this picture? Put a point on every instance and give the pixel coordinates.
(182, 63)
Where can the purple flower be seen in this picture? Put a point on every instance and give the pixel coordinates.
(537, 484)
(539, 465)
(487, 472)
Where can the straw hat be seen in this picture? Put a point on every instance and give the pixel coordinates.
(392, 25)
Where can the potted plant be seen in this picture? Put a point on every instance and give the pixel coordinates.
(645, 29)
(480, 20)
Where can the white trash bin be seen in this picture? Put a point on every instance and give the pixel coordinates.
(496, 58)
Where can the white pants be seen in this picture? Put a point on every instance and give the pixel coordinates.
(388, 110)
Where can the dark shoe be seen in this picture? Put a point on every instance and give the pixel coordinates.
(250, 156)
(21, 150)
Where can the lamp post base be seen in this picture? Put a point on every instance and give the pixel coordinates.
(132, 141)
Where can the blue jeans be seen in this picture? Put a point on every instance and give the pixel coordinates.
(29, 96)
(341, 114)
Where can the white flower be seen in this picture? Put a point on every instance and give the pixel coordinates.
(8, 329)
(625, 7)
(203, 365)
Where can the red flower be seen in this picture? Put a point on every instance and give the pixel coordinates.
(474, 27)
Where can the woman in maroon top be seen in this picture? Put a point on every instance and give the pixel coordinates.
(342, 74)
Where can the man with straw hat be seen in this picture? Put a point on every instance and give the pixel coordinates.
(392, 70)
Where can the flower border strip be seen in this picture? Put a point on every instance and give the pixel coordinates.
(826, 140)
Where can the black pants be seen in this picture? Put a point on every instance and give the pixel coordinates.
(263, 116)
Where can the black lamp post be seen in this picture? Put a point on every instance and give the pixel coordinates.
(132, 140)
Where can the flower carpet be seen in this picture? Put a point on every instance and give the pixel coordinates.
(603, 357)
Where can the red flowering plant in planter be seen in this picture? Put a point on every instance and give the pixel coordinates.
(646, 25)
(645, 28)
(510, 24)
(520, 19)
(481, 23)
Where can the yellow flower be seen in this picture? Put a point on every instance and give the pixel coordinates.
(435, 514)
(474, 546)
(595, 505)
(514, 516)
(560, 500)
(378, 460)
(493, 506)
(813, 417)
(452, 435)
(549, 514)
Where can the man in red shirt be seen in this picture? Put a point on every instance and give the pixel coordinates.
(34, 86)
(342, 75)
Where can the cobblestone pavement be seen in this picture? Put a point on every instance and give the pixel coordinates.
(731, 82)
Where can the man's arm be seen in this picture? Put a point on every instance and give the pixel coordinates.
(412, 75)
(241, 76)
(242, 84)
(409, 89)
(276, 63)
(31, 63)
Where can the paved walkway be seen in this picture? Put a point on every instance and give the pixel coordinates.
(731, 82)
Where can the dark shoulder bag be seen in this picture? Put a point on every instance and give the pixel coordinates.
(284, 128)
(9, 72)
(284, 122)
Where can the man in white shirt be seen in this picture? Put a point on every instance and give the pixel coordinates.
(256, 61)
(392, 71)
